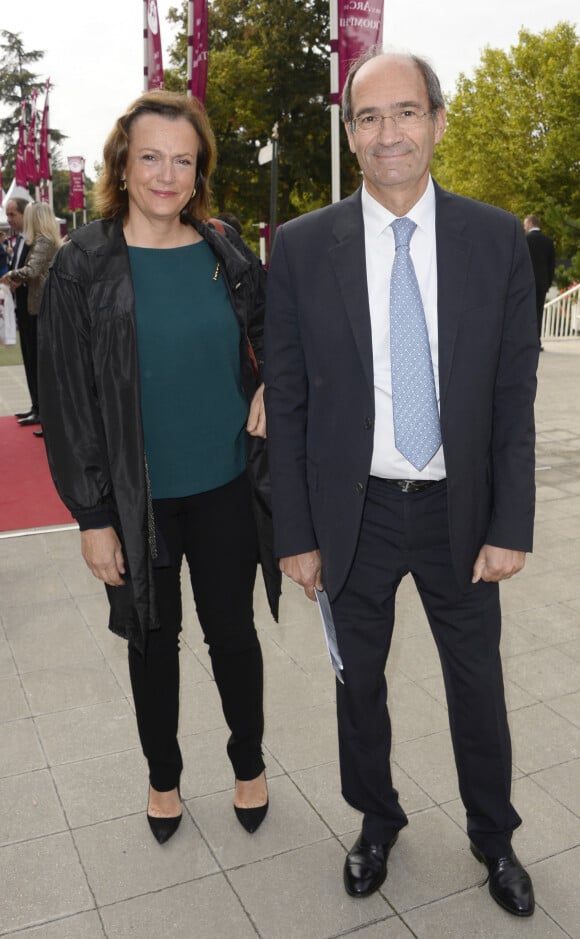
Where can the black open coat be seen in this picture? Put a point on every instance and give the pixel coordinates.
(91, 402)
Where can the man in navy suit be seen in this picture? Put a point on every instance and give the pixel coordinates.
(351, 513)
(543, 258)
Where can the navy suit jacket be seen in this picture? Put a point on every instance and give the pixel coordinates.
(320, 393)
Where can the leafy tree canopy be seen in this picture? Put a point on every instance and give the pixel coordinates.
(513, 135)
(268, 63)
(18, 82)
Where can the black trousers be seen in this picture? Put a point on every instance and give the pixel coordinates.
(27, 330)
(408, 533)
(216, 532)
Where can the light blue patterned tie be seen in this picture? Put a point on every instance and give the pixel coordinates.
(415, 414)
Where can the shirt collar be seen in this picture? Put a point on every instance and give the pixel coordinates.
(377, 218)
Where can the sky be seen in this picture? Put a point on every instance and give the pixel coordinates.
(94, 50)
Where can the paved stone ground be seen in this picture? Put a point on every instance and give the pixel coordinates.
(77, 860)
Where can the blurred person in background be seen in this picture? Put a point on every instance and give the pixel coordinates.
(42, 240)
(543, 257)
(26, 324)
(5, 253)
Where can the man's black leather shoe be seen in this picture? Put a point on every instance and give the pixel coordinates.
(21, 414)
(509, 884)
(365, 868)
(31, 419)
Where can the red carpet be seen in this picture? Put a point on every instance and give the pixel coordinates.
(28, 498)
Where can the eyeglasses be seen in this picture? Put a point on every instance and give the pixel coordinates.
(371, 123)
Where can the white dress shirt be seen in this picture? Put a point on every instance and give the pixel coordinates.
(387, 462)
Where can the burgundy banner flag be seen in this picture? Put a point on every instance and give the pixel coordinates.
(76, 199)
(360, 26)
(44, 170)
(31, 162)
(20, 167)
(153, 65)
(197, 33)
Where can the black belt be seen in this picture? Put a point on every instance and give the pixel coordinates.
(412, 485)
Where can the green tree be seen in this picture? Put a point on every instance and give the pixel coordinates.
(513, 135)
(268, 63)
(17, 82)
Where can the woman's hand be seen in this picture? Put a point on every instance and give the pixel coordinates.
(256, 423)
(102, 552)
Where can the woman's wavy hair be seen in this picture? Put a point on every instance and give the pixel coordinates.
(39, 219)
(110, 200)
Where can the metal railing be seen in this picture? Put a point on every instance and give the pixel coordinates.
(561, 318)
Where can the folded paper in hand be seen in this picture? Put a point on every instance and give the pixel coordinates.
(329, 632)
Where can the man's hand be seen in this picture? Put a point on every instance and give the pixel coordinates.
(102, 552)
(494, 564)
(256, 423)
(304, 569)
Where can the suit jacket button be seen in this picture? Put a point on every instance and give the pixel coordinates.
(368, 423)
(359, 488)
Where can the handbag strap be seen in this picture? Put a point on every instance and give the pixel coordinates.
(217, 224)
(219, 227)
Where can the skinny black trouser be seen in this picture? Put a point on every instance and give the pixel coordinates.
(216, 533)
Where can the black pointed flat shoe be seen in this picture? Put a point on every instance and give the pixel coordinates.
(251, 819)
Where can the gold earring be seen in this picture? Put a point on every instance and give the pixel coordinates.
(123, 185)
(194, 192)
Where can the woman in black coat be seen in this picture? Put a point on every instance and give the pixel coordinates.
(150, 357)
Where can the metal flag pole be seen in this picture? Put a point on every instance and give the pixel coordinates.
(45, 163)
(145, 48)
(274, 187)
(269, 154)
(334, 105)
(190, 23)
(84, 196)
